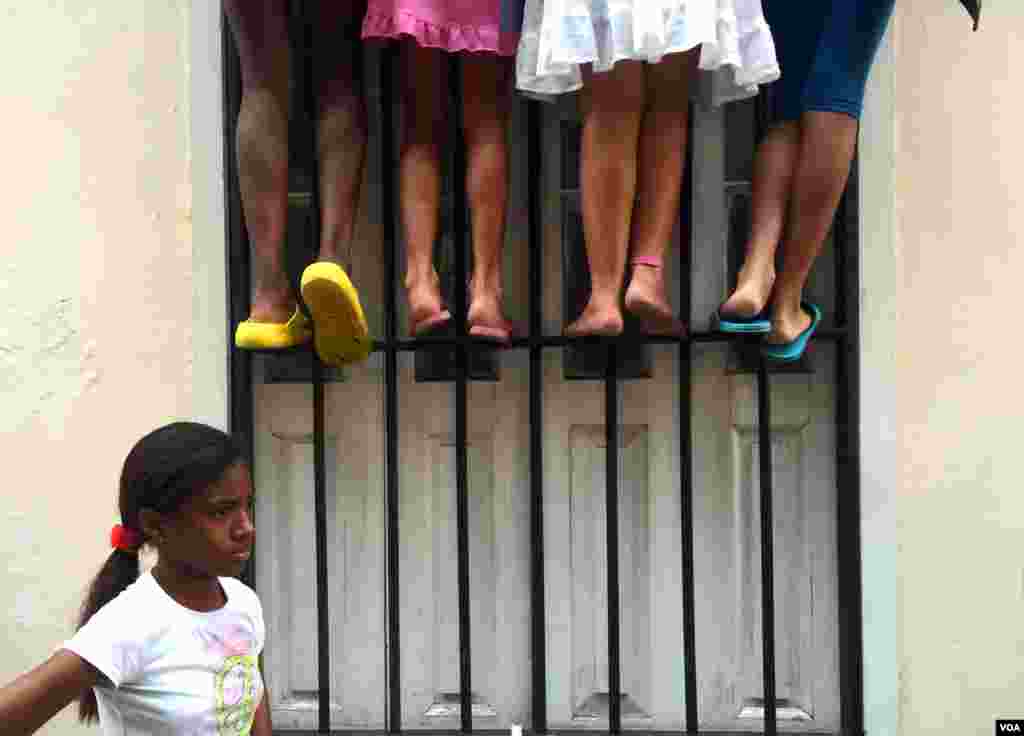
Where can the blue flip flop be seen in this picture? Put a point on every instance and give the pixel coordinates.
(759, 324)
(787, 352)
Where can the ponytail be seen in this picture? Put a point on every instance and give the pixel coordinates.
(119, 571)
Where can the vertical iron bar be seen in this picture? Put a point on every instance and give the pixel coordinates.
(536, 275)
(763, 112)
(611, 433)
(851, 655)
(461, 225)
(387, 181)
(767, 556)
(686, 442)
(241, 418)
(322, 604)
(319, 440)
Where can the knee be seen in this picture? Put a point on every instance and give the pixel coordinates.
(342, 119)
(615, 122)
(615, 101)
(423, 137)
(267, 73)
(488, 132)
(264, 110)
(627, 104)
(423, 123)
(423, 133)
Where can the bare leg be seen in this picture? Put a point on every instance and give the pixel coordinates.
(260, 30)
(773, 176)
(341, 128)
(827, 145)
(486, 99)
(659, 183)
(613, 105)
(420, 174)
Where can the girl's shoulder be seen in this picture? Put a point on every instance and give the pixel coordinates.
(241, 595)
(118, 639)
(144, 594)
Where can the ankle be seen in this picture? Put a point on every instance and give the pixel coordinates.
(755, 272)
(331, 253)
(421, 278)
(275, 293)
(268, 307)
(787, 305)
(602, 301)
(488, 285)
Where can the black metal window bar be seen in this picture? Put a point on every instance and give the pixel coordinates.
(844, 336)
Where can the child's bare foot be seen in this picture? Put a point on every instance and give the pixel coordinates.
(425, 309)
(646, 299)
(605, 321)
(753, 290)
(485, 317)
(787, 324)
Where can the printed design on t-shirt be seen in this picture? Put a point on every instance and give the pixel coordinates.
(237, 686)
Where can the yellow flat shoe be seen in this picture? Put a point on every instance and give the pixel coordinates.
(251, 335)
(340, 333)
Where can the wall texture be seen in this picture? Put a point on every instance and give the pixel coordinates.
(97, 342)
(959, 226)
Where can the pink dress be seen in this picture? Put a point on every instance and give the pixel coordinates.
(490, 26)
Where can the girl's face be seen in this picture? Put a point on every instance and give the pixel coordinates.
(212, 533)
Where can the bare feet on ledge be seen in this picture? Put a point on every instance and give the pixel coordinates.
(597, 320)
(426, 312)
(646, 299)
(485, 318)
(787, 324)
(753, 290)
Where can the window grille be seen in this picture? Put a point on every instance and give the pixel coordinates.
(459, 360)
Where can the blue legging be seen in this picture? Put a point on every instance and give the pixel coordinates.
(825, 50)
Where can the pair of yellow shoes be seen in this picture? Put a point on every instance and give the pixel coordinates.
(339, 331)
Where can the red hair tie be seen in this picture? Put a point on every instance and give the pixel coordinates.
(125, 539)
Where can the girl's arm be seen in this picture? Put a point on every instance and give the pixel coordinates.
(37, 696)
(261, 723)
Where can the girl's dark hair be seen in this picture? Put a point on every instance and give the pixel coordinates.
(164, 469)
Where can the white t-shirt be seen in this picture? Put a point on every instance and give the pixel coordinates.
(175, 670)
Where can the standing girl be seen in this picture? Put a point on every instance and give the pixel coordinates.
(173, 650)
(485, 32)
(634, 61)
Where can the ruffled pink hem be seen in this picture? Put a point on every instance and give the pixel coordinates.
(450, 37)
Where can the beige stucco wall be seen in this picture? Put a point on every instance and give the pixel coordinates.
(111, 293)
(959, 157)
(104, 329)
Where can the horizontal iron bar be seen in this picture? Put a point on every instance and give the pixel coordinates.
(560, 341)
(557, 341)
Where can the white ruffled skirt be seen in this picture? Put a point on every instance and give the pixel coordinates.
(560, 36)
